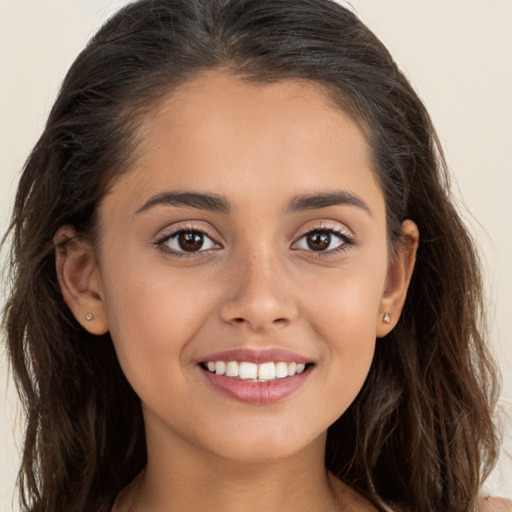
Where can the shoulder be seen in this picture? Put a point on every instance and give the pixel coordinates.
(486, 504)
(494, 505)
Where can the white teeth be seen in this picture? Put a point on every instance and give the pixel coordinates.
(248, 371)
(255, 372)
(267, 371)
(220, 367)
(232, 369)
(281, 370)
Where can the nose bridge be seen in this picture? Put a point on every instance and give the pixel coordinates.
(259, 295)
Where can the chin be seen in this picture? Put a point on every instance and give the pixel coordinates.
(266, 444)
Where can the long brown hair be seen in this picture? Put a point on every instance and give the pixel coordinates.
(420, 433)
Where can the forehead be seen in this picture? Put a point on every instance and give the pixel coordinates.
(221, 131)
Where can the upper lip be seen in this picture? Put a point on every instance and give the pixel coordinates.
(256, 356)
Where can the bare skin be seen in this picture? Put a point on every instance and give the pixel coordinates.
(256, 280)
(337, 496)
(495, 505)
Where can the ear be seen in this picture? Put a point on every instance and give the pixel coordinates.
(398, 279)
(80, 280)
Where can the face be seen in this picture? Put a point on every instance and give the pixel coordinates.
(251, 234)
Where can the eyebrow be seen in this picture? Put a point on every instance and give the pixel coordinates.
(326, 199)
(199, 200)
(219, 203)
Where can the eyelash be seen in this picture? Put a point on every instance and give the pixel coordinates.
(346, 241)
(163, 240)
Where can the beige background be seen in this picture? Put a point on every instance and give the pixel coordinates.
(457, 53)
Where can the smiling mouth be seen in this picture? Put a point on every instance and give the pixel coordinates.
(252, 372)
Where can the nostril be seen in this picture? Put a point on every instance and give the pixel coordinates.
(239, 320)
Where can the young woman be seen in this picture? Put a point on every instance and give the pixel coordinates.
(239, 282)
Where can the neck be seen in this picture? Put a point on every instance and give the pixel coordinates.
(182, 478)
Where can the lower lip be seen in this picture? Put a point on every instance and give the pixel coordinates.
(257, 392)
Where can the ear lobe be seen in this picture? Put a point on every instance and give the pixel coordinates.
(398, 279)
(79, 280)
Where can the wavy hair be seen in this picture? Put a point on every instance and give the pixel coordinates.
(420, 433)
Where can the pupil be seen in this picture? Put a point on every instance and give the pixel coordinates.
(319, 241)
(190, 240)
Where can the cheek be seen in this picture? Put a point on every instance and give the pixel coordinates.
(152, 317)
(346, 304)
(344, 314)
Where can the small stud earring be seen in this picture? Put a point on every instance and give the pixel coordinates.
(89, 316)
(386, 318)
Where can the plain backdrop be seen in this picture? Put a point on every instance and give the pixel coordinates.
(457, 54)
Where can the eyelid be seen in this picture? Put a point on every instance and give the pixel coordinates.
(335, 228)
(175, 230)
(325, 225)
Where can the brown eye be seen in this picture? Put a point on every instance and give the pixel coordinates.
(186, 240)
(191, 240)
(323, 240)
(318, 240)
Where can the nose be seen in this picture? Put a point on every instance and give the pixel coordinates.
(260, 296)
